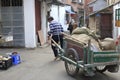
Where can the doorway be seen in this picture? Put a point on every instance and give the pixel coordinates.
(106, 25)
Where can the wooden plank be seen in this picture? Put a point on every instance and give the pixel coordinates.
(41, 38)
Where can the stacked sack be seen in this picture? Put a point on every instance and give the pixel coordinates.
(108, 44)
(84, 35)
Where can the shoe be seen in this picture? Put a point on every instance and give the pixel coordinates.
(55, 58)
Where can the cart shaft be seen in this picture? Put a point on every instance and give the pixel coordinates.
(71, 61)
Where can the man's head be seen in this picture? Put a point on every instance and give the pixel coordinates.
(50, 19)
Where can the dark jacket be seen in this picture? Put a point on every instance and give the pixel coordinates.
(70, 27)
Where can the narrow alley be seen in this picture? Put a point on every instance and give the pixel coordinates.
(39, 64)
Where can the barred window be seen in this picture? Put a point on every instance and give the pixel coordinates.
(5, 3)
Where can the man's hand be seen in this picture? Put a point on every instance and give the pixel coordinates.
(48, 33)
(49, 37)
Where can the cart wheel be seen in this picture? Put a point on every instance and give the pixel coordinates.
(113, 68)
(101, 69)
(71, 69)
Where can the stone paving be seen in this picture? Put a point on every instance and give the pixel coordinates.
(37, 64)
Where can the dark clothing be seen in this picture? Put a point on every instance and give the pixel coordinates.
(57, 39)
(70, 28)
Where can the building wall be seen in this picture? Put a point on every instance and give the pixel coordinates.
(86, 2)
(78, 7)
(110, 2)
(58, 12)
(98, 5)
(12, 22)
(92, 23)
(86, 10)
(29, 23)
(44, 19)
(75, 5)
(68, 1)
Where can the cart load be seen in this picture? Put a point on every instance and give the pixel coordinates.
(84, 35)
(83, 51)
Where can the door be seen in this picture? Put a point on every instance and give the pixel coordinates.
(38, 17)
(106, 26)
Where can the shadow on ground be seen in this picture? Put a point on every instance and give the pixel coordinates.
(97, 76)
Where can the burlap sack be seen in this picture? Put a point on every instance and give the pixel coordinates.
(93, 34)
(108, 44)
(2, 40)
(83, 38)
(82, 30)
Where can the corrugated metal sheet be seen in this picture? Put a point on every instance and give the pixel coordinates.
(13, 21)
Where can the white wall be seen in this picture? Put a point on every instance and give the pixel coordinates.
(29, 23)
(58, 12)
(44, 19)
(0, 13)
(62, 18)
(116, 30)
(54, 12)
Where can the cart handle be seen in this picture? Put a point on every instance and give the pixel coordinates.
(57, 45)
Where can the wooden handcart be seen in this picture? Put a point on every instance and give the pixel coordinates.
(78, 56)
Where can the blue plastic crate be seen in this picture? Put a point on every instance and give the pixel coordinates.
(15, 59)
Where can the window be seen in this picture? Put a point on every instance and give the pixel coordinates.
(12, 18)
(80, 1)
(6, 3)
(117, 17)
(74, 0)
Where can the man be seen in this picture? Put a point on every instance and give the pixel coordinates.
(55, 33)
